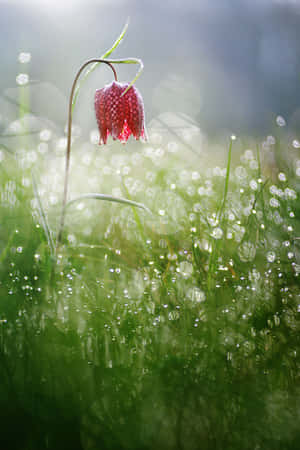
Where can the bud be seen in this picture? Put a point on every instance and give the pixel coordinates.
(119, 115)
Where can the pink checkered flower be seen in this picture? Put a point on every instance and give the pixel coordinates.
(119, 115)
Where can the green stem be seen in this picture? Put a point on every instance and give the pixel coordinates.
(69, 132)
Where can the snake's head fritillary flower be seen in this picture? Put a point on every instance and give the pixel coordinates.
(119, 115)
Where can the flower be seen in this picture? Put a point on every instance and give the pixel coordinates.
(119, 115)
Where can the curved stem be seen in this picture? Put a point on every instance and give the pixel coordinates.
(69, 132)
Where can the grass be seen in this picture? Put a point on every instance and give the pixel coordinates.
(172, 330)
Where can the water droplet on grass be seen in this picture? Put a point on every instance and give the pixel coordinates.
(249, 155)
(271, 140)
(22, 79)
(247, 251)
(271, 256)
(290, 194)
(217, 233)
(45, 135)
(296, 143)
(196, 295)
(24, 57)
(280, 121)
(282, 176)
(274, 202)
(185, 268)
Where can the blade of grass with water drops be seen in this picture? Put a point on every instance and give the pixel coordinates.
(223, 204)
(262, 185)
(221, 221)
(43, 216)
(110, 198)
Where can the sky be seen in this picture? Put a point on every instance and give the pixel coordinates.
(229, 64)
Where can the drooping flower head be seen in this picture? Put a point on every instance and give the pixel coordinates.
(119, 115)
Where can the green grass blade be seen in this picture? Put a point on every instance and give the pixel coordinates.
(43, 216)
(110, 198)
(222, 209)
(222, 222)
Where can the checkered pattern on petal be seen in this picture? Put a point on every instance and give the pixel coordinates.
(100, 115)
(119, 115)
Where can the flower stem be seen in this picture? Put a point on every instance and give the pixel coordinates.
(69, 132)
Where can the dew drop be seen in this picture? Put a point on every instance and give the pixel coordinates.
(249, 155)
(22, 79)
(196, 295)
(271, 256)
(274, 202)
(247, 251)
(271, 140)
(217, 233)
(280, 121)
(186, 269)
(24, 57)
(282, 176)
(296, 143)
(45, 135)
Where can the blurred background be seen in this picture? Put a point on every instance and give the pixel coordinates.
(230, 66)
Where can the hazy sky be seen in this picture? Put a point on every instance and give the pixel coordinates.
(231, 64)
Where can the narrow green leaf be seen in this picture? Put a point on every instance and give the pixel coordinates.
(215, 245)
(222, 209)
(109, 198)
(43, 216)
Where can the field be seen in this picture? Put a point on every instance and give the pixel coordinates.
(171, 327)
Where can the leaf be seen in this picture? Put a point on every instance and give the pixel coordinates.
(109, 198)
(43, 216)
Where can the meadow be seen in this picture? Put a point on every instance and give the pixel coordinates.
(171, 327)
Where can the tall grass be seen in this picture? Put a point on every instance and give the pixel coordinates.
(172, 330)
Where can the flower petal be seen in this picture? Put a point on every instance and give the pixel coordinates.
(100, 115)
(117, 109)
(119, 115)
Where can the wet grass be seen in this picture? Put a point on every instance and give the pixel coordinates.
(175, 330)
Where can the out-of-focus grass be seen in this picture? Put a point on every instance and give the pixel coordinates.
(176, 330)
